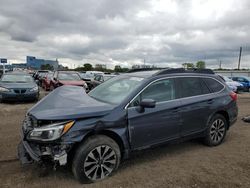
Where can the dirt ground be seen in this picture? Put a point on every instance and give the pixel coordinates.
(188, 164)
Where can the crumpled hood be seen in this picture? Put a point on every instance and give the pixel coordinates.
(17, 85)
(69, 102)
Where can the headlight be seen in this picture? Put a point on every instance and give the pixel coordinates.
(34, 88)
(2, 89)
(50, 132)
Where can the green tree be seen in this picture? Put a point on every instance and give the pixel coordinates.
(200, 65)
(87, 67)
(188, 65)
(118, 68)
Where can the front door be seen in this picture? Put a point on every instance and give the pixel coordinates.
(155, 125)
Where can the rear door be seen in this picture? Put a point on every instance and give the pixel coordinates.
(155, 125)
(194, 104)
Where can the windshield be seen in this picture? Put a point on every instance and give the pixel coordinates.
(107, 77)
(68, 76)
(115, 90)
(49, 75)
(15, 78)
(42, 74)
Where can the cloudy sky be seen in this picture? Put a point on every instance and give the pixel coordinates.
(124, 32)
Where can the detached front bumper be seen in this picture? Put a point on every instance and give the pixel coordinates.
(26, 154)
(29, 152)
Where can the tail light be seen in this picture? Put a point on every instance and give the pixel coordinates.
(233, 96)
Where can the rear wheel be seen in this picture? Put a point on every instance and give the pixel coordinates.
(96, 159)
(216, 131)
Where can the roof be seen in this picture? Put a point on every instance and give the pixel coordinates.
(170, 72)
(143, 74)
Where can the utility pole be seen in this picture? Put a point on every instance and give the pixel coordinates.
(239, 58)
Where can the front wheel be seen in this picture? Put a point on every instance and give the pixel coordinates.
(216, 131)
(96, 159)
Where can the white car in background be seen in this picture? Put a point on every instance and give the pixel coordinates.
(233, 85)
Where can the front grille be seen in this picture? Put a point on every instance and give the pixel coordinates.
(20, 91)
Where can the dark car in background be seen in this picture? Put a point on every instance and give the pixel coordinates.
(61, 78)
(98, 79)
(130, 112)
(245, 81)
(46, 81)
(18, 87)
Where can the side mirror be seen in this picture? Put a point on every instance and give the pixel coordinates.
(37, 82)
(146, 103)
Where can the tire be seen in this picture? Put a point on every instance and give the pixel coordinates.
(88, 166)
(216, 131)
(51, 88)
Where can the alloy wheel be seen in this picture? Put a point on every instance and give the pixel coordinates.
(100, 162)
(217, 130)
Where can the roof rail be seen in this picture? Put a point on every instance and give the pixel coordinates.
(182, 70)
(142, 69)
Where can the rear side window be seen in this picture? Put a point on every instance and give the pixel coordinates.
(214, 85)
(191, 86)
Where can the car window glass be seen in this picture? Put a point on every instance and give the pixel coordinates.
(97, 78)
(159, 91)
(115, 90)
(15, 78)
(191, 86)
(240, 79)
(214, 85)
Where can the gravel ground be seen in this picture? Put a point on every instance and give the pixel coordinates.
(188, 164)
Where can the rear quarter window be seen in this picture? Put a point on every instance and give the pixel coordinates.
(213, 84)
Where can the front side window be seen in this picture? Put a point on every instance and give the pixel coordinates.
(159, 91)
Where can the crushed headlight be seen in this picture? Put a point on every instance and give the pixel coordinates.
(2, 89)
(34, 88)
(50, 132)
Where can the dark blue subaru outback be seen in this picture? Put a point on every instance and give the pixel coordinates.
(93, 132)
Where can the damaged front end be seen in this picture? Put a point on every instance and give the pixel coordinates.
(42, 143)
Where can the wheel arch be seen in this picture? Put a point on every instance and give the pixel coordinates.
(224, 113)
(111, 134)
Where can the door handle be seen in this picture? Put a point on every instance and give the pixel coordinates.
(210, 101)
